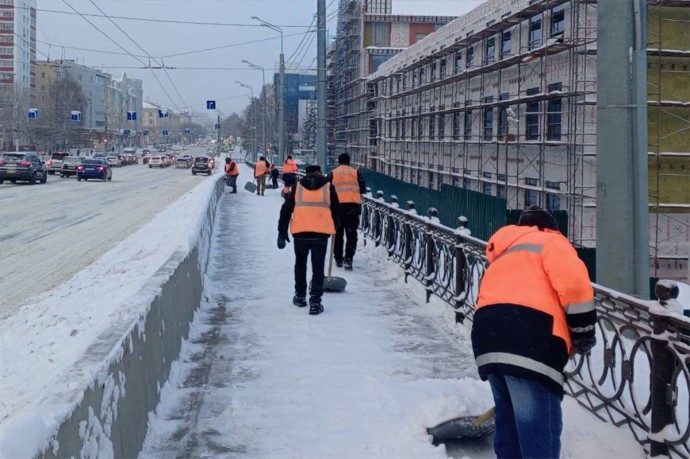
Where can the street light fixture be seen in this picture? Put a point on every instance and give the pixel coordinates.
(281, 90)
(244, 85)
(263, 99)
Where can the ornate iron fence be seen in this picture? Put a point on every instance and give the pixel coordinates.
(638, 374)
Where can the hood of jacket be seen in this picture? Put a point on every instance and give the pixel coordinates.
(506, 237)
(313, 182)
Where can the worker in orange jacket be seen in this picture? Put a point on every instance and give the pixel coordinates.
(310, 210)
(231, 171)
(350, 185)
(535, 309)
(261, 169)
(289, 174)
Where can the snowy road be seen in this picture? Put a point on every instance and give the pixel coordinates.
(50, 232)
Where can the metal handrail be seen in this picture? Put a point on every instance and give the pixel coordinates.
(638, 374)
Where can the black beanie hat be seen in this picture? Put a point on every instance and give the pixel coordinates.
(344, 158)
(312, 169)
(536, 216)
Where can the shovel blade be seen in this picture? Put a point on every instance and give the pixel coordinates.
(461, 428)
(334, 284)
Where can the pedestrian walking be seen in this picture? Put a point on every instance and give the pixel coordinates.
(535, 309)
(260, 171)
(232, 171)
(310, 210)
(289, 174)
(274, 176)
(350, 186)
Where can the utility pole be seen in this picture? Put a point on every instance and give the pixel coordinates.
(622, 176)
(218, 146)
(321, 145)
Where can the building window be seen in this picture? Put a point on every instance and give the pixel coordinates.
(502, 116)
(468, 125)
(432, 72)
(420, 128)
(403, 128)
(532, 117)
(414, 78)
(531, 181)
(456, 126)
(488, 119)
(467, 183)
(531, 198)
(470, 56)
(505, 44)
(432, 127)
(552, 185)
(487, 188)
(553, 202)
(458, 62)
(501, 191)
(490, 53)
(534, 32)
(443, 68)
(413, 124)
(441, 127)
(557, 20)
(486, 174)
(553, 113)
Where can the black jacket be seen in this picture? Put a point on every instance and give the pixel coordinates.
(348, 208)
(310, 182)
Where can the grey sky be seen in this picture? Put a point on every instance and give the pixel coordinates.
(59, 34)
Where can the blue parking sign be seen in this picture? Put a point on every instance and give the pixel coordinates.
(210, 104)
(33, 113)
(165, 132)
(146, 132)
(75, 115)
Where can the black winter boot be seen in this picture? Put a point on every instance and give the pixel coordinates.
(299, 301)
(315, 306)
(348, 264)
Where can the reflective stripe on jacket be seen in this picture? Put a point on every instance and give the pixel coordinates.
(346, 184)
(312, 211)
(534, 296)
(260, 168)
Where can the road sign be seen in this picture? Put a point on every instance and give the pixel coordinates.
(131, 116)
(210, 105)
(217, 126)
(162, 113)
(165, 132)
(33, 113)
(187, 130)
(75, 115)
(126, 132)
(146, 132)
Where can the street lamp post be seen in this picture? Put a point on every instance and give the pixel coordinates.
(281, 91)
(244, 85)
(263, 100)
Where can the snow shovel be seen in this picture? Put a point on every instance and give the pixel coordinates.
(330, 282)
(465, 427)
(250, 186)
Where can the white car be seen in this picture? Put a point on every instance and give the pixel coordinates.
(113, 161)
(156, 161)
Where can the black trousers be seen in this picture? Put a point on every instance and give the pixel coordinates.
(346, 229)
(318, 248)
(274, 181)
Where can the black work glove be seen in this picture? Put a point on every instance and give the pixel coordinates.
(584, 345)
(282, 240)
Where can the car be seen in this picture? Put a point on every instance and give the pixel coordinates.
(131, 158)
(202, 165)
(94, 168)
(123, 159)
(55, 161)
(146, 156)
(22, 165)
(161, 148)
(157, 161)
(69, 166)
(113, 161)
(130, 151)
(184, 161)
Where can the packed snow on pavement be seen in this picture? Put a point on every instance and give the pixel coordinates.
(259, 377)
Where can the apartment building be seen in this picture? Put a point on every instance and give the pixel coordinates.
(17, 43)
(368, 34)
(503, 101)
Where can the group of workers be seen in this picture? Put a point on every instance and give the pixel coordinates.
(535, 306)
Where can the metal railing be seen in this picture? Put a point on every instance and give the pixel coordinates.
(638, 374)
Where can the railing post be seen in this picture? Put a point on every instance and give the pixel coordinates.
(430, 253)
(460, 269)
(407, 261)
(663, 393)
(377, 220)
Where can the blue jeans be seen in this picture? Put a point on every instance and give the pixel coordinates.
(529, 419)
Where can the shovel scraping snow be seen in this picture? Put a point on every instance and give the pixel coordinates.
(466, 427)
(330, 282)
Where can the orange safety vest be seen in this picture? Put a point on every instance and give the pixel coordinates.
(260, 168)
(521, 254)
(234, 171)
(312, 211)
(346, 184)
(290, 167)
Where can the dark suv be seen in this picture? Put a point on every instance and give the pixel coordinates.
(21, 165)
(202, 165)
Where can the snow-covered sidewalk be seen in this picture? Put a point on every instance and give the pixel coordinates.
(261, 378)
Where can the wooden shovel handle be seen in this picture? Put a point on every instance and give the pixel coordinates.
(481, 419)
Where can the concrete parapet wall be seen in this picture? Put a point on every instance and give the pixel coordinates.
(111, 416)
